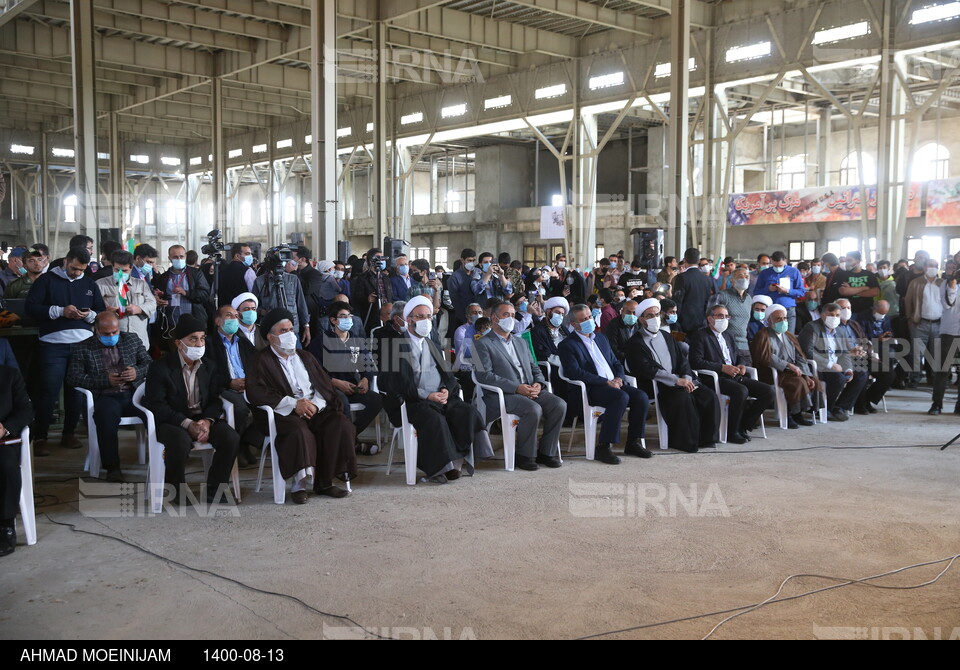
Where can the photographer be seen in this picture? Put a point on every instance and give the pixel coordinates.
(371, 289)
(278, 266)
(181, 289)
(490, 280)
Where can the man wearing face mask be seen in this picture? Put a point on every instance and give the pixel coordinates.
(28, 273)
(183, 290)
(763, 263)
(691, 411)
(111, 364)
(586, 356)
(416, 373)
(237, 276)
(130, 298)
(816, 280)
(422, 284)
(853, 282)
(184, 395)
(714, 348)
(503, 360)
(401, 281)
(463, 348)
(316, 440)
(692, 291)
(246, 305)
(567, 283)
(371, 289)
(808, 310)
(739, 305)
(621, 329)
(829, 343)
(776, 347)
(783, 285)
(634, 277)
(144, 260)
(340, 274)
(463, 290)
(231, 354)
(923, 309)
(547, 334)
(888, 288)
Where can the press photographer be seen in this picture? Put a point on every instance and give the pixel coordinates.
(277, 287)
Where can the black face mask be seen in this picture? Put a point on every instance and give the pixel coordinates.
(416, 276)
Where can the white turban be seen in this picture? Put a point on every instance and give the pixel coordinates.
(762, 299)
(324, 266)
(414, 303)
(242, 298)
(647, 304)
(775, 309)
(556, 302)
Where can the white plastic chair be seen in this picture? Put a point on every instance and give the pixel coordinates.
(782, 409)
(408, 441)
(156, 468)
(27, 510)
(92, 464)
(662, 432)
(725, 403)
(821, 396)
(591, 417)
(359, 407)
(508, 422)
(270, 447)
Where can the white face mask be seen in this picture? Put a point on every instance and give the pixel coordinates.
(884, 273)
(288, 342)
(424, 327)
(507, 324)
(846, 314)
(653, 324)
(193, 353)
(932, 272)
(720, 325)
(831, 322)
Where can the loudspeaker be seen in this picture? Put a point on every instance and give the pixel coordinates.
(343, 251)
(392, 249)
(648, 247)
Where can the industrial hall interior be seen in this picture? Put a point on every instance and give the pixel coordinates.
(478, 319)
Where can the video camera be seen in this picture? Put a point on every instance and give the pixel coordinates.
(277, 257)
(214, 247)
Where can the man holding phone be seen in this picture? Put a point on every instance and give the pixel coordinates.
(64, 302)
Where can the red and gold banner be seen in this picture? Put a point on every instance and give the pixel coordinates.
(810, 205)
(943, 202)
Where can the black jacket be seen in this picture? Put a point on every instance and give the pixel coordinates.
(198, 294)
(543, 345)
(166, 393)
(619, 334)
(396, 379)
(691, 291)
(86, 368)
(16, 412)
(216, 355)
(232, 282)
(644, 366)
(705, 351)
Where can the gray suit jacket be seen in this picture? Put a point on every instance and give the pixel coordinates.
(782, 354)
(814, 342)
(494, 368)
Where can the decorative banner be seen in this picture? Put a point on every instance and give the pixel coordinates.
(551, 223)
(809, 205)
(943, 202)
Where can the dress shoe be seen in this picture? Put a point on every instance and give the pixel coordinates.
(956, 410)
(605, 455)
(801, 420)
(793, 425)
(115, 476)
(862, 411)
(332, 492)
(40, 448)
(527, 463)
(549, 461)
(8, 541)
(871, 409)
(452, 475)
(636, 448)
(934, 411)
(837, 415)
(70, 441)
(299, 497)
(689, 450)
(736, 438)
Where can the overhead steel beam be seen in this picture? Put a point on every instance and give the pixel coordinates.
(82, 44)
(595, 14)
(701, 13)
(256, 9)
(30, 78)
(14, 8)
(189, 17)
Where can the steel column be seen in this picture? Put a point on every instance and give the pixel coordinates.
(380, 197)
(85, 114)
(677, 148)
(323, 101)
(216, 148)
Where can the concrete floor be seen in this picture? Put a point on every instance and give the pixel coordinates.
(512, 554)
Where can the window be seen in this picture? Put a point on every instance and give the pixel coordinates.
(954, 245)
(440, 256)
(554, 250)
(801, 251)
(308, 213)
(914, 244)
(606, 81)
(850, 173)
(550, 92)
(259, 149)
(62, 153)
(290, 210)
(809, 250)
(599, 254)
(341, 132)
(176, 212)
(245, 215)
(453, 111)
(941, 12)
(497, 103)
(235, 153)
(749, 52)
(932, 161)
(932, 244)
(21, 149)
(284, 144)
(839, 33)
(534, 255)
(557, 200)
(848, 244)
(452, 201)
(409, 119)
(792, 172)
(171, 161)
(140, 158)
(835, 247)
(415, 253)
(150, 213)
(70, 209)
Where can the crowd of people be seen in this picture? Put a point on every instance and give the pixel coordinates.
(330, 344)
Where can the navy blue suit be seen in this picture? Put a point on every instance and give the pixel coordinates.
(399, 288)
(578, 365)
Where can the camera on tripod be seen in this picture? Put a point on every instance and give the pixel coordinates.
(277, 257)
(214, 246)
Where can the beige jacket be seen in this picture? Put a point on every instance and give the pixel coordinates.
(140, 295)
(913, 302)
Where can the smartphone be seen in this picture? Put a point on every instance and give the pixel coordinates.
(532, 295)
(432, 276)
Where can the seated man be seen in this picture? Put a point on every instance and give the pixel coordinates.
(503, 360)
(413, 371)
(691, 410)
(622, 328)
(714, 348)
(586, 356)
(16, 413)
(350, 365)
(758, 315)
(231, 354)
(184, 396)
(247, 306)
(463, 348)
(112, 365)
(315, 439)
(823, 341)
(874, 329)
(775, 347)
